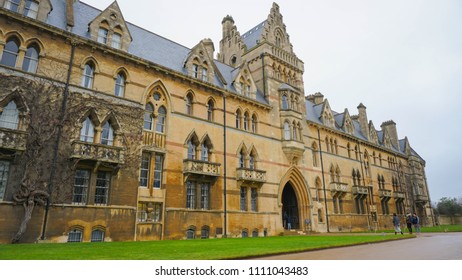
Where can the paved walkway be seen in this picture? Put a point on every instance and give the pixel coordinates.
(427, 246)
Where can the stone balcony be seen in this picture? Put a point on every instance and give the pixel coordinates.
(12, 139)
(336, 187)
(97, 152)
(399, 195)
(360, 190)
(251, 176)
(420, 197)
(293, 149)
(201, 169)
(384, 193)
(153, 139)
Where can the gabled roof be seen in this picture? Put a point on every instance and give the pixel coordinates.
(145, 45)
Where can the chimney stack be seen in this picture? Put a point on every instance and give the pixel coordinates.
(363, 122)
(390, 128)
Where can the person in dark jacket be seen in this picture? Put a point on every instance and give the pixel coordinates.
(416, 223)
(396, 224)
(409, 222)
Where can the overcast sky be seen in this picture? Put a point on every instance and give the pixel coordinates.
(401, 59)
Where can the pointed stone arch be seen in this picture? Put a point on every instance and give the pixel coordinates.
(157, 86)
(295, 180)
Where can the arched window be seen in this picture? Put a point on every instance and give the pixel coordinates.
(31, 59)
(252, 161)
(148, 116)
(191, 233)
(31, 9)
(87, 133)
(107, 135)
(204, 152)
(286, 130)
(189, 104)
(255, 233)
(88, 75)
(75, 235)
(10, 52)
(191, 150)
(161, 117)
(120, 85)
(337, 175)
(241, 159)
(246, 121)
(317, 183)
(245, 233)
(205, 232)
(210, 108)
(204, 74)
(254, 123)
(12, 5)
(9, 117)
(285, 104)
(332, 174)
(97, 235)
(238, 119)
(314, 150)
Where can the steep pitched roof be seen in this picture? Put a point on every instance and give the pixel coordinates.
(252, 37)
(145, 45)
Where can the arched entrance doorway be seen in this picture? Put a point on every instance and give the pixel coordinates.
(294, 199)
(290, 207)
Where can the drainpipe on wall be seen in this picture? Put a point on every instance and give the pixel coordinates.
(323, 181)
(58, 139)
(364, 182)
(225, 209)
(264, 75)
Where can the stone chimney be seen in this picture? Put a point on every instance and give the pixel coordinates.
(316, 98)
(70, 14)
(208, 45)
(390, 128)
(363, 122)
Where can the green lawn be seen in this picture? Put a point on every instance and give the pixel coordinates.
(447, 228)
(212, 249)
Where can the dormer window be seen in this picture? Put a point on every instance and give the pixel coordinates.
(116, 41)
(195, 71)
(31, 9)
(12, 5)
(102, 35)
(204, 75)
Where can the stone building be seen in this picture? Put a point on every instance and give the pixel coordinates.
(135, 137)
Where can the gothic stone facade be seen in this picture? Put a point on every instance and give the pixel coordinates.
(159, 141)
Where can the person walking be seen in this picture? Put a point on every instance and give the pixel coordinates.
(396, 224)
(416, 223)
(409, 222)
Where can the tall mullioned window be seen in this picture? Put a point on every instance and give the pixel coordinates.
(4, 172)
(81, 182)
(151, 164)
(103, 182)
(243, 199)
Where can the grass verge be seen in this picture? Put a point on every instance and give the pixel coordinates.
(210, 249)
